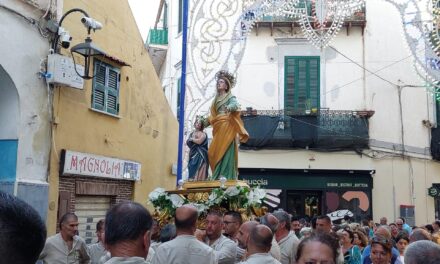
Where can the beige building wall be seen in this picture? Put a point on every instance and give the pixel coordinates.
(411, 178)
(145, 131)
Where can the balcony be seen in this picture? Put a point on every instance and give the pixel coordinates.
(158, 37)
(321, 130)
(358, 19)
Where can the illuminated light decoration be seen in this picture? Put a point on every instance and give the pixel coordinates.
(420, 20)
(320, 20)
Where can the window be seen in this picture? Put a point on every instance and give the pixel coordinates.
(180, 25)
(178, 98)
(105, 95)
(301, 84)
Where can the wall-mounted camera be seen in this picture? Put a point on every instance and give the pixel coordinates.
(65, 37)
(89, 22)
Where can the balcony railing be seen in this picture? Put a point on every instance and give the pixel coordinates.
(320, 129)
(158, 36)
(356, 17)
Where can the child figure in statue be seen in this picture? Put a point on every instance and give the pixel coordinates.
(226, 123)
(198, 154)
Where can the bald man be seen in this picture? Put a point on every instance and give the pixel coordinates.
(258, 246)
(185, 248)
(244, 232)
(272, 222)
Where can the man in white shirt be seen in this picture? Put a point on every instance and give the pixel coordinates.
(224, 248)
(66, 247)
(258, 246)
(286, 239)
(185, 248)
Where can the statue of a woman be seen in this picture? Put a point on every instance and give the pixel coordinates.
(226, 123)
(198, 154)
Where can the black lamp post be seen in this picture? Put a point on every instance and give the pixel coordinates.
(86, 49)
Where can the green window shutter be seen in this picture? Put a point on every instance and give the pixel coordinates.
(289, 84)
(105, 96)
(113, 91)
(302, 84)
(99, 93)
(314, 82)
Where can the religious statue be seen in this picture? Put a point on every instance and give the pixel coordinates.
(198, 154)
(226, 123)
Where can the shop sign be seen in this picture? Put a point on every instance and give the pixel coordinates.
(77, 163)
(275, 181)
(433, 192)
(346, 185)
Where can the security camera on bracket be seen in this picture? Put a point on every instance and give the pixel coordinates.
(88, 49)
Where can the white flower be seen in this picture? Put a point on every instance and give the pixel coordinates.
(260, 193)
(176, 200)
(154, 195)
(200, 207)
(256, 196)
(232, 191)
(214, 199)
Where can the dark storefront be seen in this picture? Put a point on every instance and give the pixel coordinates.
(316, 192)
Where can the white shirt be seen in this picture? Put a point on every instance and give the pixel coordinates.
(288, 248)
(184, 249)
(260, 258)
(56, 251)
(96, 252)
(275, 250)
(225, 250)
(128, 260)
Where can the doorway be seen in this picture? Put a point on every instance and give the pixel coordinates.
(304, 203)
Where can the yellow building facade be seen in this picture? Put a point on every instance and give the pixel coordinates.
(92, 134)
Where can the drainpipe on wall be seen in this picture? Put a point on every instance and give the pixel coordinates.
(182, 91)
(364, 75)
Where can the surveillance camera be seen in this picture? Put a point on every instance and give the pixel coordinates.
(91, 23)
(65, 37)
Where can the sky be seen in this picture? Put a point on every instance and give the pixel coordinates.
(144, 11)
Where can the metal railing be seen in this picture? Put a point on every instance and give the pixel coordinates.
(322, 129)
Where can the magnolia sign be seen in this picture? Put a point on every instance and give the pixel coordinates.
(77, 163)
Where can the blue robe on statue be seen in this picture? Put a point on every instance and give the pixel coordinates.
(198, 160)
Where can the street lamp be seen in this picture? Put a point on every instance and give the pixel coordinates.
(86, 49)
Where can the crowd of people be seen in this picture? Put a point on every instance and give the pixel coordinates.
(129, 234)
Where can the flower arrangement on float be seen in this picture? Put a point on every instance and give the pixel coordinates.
(245, 200)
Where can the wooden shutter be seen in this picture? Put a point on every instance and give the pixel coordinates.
(113, 91)
(302, 84)
(63, 203)
(105, 96)
(314, 82)
(289, 83)
(98, 94)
